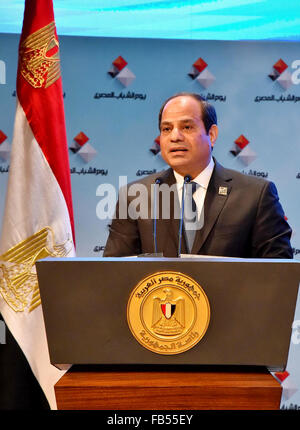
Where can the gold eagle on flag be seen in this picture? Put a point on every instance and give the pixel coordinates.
(39, 57)
(168, 317)
(18, 279)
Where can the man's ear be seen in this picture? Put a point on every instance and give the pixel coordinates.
(213, 134)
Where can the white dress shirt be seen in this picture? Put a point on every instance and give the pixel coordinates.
(203, 180)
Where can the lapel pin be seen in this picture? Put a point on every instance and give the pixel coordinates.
(223, 191)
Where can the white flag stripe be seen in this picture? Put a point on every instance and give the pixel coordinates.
(168, 310)
(32, 190)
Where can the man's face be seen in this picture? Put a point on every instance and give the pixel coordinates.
(184, 143)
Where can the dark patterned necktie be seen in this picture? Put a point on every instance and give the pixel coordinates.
(190, 215)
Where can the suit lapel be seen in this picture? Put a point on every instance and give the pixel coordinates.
(216, 196)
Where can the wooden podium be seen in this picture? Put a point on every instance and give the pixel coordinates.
(131, 390)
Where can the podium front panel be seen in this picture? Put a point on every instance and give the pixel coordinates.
(252, 304)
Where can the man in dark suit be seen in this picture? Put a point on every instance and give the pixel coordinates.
(235, 215)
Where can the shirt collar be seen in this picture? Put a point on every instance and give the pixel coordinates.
(202, 179)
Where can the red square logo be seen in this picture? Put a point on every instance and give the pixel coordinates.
(81, 138)
(120, 63)
(200, 64)
(282, 375)
(2, 137)
(280, 66)
(241, 141)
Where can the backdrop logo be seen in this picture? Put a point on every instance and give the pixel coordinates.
(4, 147)
(201, 74)
(2, 72)
(242, 151)
(282, 76)
(121, 72)
(82, 148)
(289, 388)
(155, 148)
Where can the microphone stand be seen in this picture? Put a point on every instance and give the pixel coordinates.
(158, 181)
(187, 179)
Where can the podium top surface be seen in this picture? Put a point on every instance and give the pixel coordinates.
(184, 257)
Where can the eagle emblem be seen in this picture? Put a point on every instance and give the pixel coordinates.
(18, 279)
(168, 314)
(39, 57)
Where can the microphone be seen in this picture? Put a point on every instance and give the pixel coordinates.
(187, 179)
(158, 181)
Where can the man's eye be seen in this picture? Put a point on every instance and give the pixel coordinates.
(187, 127)
(165, 129)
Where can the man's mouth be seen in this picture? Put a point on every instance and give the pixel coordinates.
(178, 150)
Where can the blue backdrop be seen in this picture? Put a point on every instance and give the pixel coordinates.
(111, 121)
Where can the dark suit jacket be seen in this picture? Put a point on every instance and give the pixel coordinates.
(247, 222)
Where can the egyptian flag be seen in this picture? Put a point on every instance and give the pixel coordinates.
(38, 218)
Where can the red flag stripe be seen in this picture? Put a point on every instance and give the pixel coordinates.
(43, 106)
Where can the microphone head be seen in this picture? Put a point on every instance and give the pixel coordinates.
(158, 181)
(187, 179)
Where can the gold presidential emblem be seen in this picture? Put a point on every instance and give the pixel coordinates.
(18, 279)
(168, 312)
(39, 57)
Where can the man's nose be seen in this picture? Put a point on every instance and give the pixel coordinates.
(176, 134)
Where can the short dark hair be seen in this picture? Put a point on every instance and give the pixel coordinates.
(209, 116)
